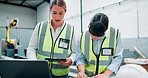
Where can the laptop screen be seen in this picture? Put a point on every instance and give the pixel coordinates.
(24, 69)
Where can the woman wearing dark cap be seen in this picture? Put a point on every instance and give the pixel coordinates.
(54, 39)
(99, 52)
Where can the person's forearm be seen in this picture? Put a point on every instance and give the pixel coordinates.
(108, 72)
(81, 68)
(72, 57)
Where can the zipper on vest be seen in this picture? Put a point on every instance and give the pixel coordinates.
(53, 45)
(98, 57)
(97, 67)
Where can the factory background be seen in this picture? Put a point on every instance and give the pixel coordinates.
(130, 16)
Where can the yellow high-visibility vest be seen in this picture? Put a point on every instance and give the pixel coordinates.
(98, 63)
(48, 49)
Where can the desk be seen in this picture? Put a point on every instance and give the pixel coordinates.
(5, 57)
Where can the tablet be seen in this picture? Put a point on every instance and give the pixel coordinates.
(49, 59)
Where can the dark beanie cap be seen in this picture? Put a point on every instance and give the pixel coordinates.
(97, 29)
(98, 24)
(102, 18)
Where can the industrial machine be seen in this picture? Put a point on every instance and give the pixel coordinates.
(9, 45)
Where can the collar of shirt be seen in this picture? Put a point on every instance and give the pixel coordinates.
(97, 43)
(58, 29)
(105, 35)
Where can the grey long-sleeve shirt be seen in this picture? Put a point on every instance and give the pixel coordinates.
(80, 58)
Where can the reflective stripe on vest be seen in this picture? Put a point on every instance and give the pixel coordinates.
(48, 49)
(87, 49)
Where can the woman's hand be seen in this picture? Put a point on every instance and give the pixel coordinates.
(81, 75)
(101, 76)
(81, 71)
(68, 62)
(106, 74)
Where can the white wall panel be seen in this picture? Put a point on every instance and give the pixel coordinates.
(73, 15)
(73, 8)
(121, 15)
(43, 12)
(124, 17)
(127, 15)
(143, 19)
(93, 4)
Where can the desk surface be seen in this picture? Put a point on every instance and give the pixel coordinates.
(5, 57)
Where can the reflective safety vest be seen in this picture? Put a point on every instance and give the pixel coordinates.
(97, 63)
(60, 49)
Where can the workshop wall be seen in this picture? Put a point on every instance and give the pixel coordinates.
(26, 16)
(27, 22)
(127, 15)
(43, 12)
(28, 19)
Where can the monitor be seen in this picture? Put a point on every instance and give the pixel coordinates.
(24, 68)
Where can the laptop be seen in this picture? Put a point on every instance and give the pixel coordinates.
(24, 69)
